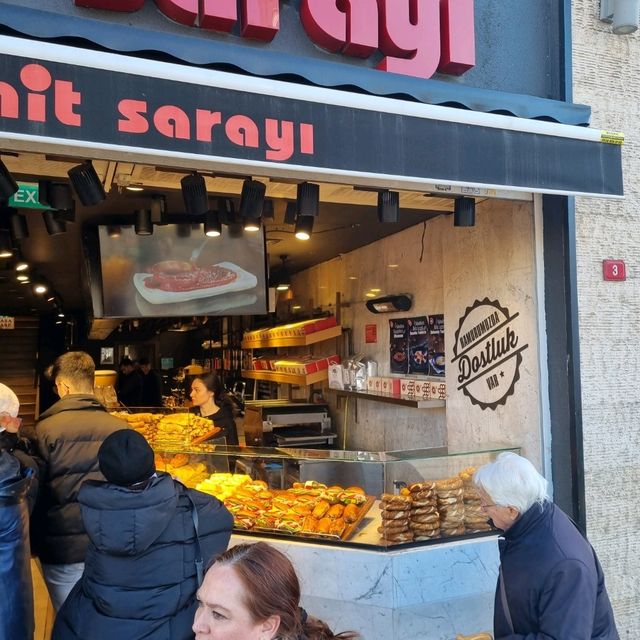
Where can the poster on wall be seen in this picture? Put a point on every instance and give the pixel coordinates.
(488, 353)
(436, 345)
(398, 346)
(418, 345)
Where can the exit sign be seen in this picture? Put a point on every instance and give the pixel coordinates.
(614, 270)
(26, 197)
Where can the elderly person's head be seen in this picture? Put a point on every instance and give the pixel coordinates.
(509, 487)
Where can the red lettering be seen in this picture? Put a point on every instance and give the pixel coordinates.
(280, 144)
(8, 101)
(111, 5)
(243, 131)
(172, 122)
(219, 15)
(65, 99)
(35, 77)
(205, 122)
(348, 26)
(306, 138)
(410, 36)
(260, 19)
(458, 36)
(182, 11)
(134, 113)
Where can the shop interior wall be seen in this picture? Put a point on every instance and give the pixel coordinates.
(606, 76)
(445, 269)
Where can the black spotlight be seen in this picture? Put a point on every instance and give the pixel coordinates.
(212, 226)
(252, 199)
(308, 199)
(290, 213)
(226, 211)
(56, 195)
(143, 224)
(194, 194)
(8, 186)
(304, 227)
(6, 246)
(283, 280)
(159, 209)
(18, 226)
(86, 184)
(464, 212)
(54, 222)
(388, 203)
(267, 210)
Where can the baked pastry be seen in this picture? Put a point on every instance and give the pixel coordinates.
(351, 513)
(179, 460)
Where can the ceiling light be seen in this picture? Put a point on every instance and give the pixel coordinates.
(21, 265)
(86, 184)
(369, 294)
(251, 225)
(134, 187)
(159, 209)
(6, 245)
(54, 223)
(60, 314)
(267, 210)
(388, 204)
(464, 212)
(212, 226)
(114, 231)
(18, 226)
(393, 266)
(252, 199)
(353, 277)
(51, 299)
(40, 288)
(22, 277)
(376, 290)
(304, 227)
(283, 281)
(56, 195)
(194, 194)
(296, 307)
(143, 224)
(308, 199)
(8, 186)
(291, 213)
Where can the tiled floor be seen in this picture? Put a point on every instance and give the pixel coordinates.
(43, 609)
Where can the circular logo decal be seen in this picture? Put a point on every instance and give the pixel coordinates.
(488, 353)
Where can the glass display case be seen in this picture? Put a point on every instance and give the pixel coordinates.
(367, 499)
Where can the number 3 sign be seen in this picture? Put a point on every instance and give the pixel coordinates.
(614, 270)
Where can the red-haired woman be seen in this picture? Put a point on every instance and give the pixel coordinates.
(251, 592)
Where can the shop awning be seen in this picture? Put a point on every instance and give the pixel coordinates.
(110, 106)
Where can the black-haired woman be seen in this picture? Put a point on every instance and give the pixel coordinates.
(211, 401)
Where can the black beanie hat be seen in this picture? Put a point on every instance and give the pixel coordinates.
(126, 458)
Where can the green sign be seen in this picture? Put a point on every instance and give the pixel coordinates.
(26, 197)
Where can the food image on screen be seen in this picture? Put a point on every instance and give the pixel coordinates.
(176, 275)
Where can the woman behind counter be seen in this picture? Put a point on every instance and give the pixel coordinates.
(210, 401)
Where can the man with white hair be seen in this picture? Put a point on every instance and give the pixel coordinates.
(551, 585)
(17, 480)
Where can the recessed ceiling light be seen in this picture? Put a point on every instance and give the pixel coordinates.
(296, 307)
(134, 187)
(393, 266)
(376, 290)
(353, 277)
(22, 265)
(370, 295)
(23, 277)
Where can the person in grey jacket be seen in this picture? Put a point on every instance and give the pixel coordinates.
(69, 435)
(551, 584)
(141, 571)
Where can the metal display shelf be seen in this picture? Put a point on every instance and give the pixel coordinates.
(287, 378)
(299, 341)
(389, 398)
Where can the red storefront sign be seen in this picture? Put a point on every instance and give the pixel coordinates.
(415, 37)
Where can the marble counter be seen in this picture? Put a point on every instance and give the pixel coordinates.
(427, 593)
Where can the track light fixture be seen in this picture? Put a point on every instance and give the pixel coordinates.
(252, 199)
(226, 211)
(267, 210)
(86, 184)
(18, 226)
(54, 223)
(291, 213)
(56, 195)
(283, 281)
(143, 224)
(6, 245)
(8, 186)
(388, 205)
(251, 225)
(212, 226)
(40, 287)
(304, 227)
(194, 194)
(464, 212)
(21, 265)
(308, 199)
(159, 209)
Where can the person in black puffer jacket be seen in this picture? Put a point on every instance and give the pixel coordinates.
(69, 435)
(140, 575)
(18, 483)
